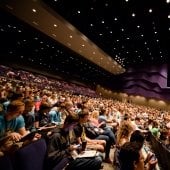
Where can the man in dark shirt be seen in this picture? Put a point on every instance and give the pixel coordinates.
(83, 119)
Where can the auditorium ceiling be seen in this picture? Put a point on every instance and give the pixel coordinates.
(88, 40)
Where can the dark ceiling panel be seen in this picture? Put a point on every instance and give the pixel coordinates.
(26, 47)
(133, 32)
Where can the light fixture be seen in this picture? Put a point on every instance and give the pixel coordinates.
(150, 10)
(34, 10)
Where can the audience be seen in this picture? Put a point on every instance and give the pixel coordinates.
(131, 157)
(26, 107)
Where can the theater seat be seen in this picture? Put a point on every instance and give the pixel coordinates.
(31, 157)
(5, 163)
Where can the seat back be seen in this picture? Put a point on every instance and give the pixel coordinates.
(5, 163)
(31, 157)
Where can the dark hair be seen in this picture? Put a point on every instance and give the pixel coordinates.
(83, 113)
(137, 136)
(129, 153)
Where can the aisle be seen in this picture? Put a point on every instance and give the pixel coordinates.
(109, 166)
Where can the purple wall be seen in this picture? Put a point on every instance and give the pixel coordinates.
(149, 82)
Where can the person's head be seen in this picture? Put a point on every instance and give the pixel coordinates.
(95, 114)
(16, 108)
(137, 136)
(124, 131)
(29, 104)
(45, 107)
(84, 116)
(131, 157)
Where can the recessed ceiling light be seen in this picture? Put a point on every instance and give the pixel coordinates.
(55, 25)
(94, 52)
(150, 10)
(82, 45)
(78, 12)
(126, 0)
(71, 36)
(169, 16)
(115, 19)
(167, 1)
(34, 10)
(133, 14)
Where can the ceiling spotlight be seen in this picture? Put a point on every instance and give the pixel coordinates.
(115, 19)
(133, 14)
(150, 10)
(34, 10)
(126, 0)
(55, 25)
(169, 16)
(167, 1)
(78, 12)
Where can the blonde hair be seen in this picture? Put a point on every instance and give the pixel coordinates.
(124, 131)
(95, 114)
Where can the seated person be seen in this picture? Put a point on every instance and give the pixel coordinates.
(12, 126)
(55, 116)
(43, 119)
(131, 157)
(78, 129)
(29, 116)
(12, 123)
(136, 136)
(61, 147)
